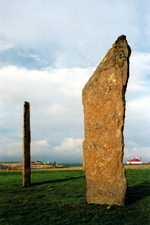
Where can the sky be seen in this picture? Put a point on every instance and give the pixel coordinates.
(48, 51)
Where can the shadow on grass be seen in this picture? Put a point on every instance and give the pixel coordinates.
(137, 192)
(56, 181)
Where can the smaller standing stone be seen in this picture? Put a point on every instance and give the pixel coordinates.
(26, 144)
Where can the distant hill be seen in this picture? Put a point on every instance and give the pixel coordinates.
(3, 167)
(72, 164)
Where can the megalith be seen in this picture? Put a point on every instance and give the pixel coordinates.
(83, 155)
(104, 112)
(26, 144)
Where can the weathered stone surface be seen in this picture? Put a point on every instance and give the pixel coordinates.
(26, 144)
(83, 155)
(104, 111)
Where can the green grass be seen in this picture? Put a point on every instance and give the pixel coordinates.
(58, 197)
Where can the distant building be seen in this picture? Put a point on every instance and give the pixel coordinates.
(134, 161)
(38, 162)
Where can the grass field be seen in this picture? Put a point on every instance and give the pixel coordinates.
(58, 197)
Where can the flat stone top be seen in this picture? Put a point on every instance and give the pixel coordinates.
(26, 104)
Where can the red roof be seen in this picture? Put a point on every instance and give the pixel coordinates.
(134, 160)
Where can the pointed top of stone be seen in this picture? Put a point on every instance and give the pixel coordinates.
(116, 57)
(121, 37)
(122, 42)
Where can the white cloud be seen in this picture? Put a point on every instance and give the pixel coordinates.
(56, 109)
(139, 73)
(40, 150)
(19, 84)
(40, 143)
(140, 105)
(10, 148)
(4, 45)
(14, 149)
(70, 146)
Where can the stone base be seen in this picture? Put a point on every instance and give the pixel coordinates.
(110, 194)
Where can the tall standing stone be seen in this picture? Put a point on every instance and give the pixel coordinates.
(26, 144)
(104, 112)
(83, 155)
